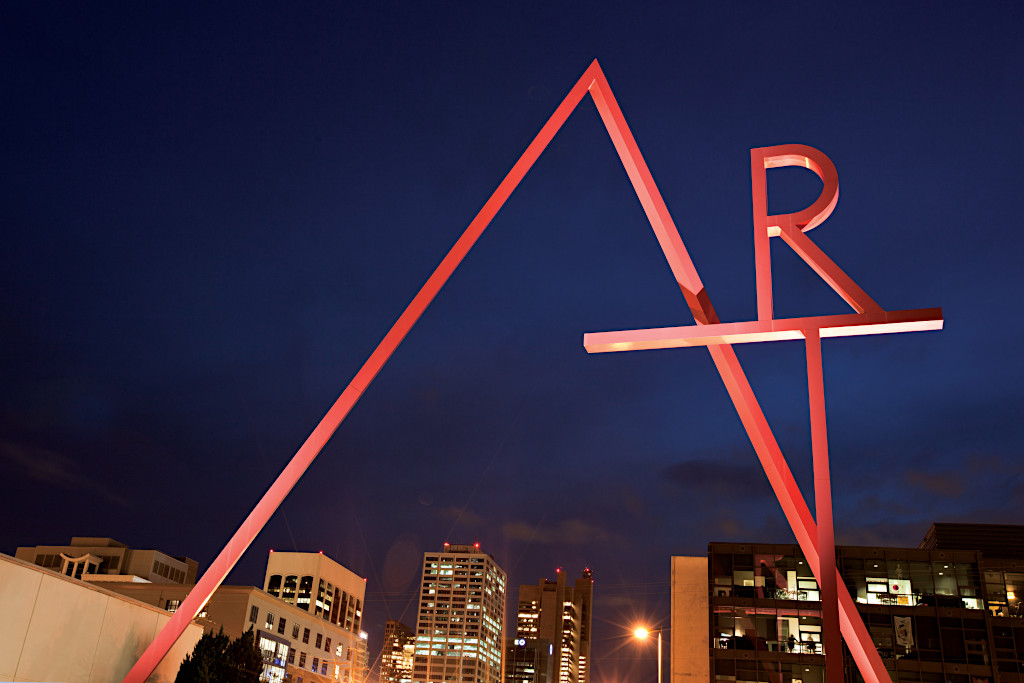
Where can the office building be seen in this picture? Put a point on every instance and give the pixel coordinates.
(319, 585)
(459, 631)
(529, 660)
(397, 653)
(104, 559)
(948, 611)
(59, 628)
(307, 621)
(561, 615)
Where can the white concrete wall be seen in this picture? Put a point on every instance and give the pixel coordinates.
(691, 659)
(55, 628)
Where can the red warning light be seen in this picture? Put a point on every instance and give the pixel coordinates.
(476, 545)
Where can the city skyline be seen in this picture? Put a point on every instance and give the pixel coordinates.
(213, 217)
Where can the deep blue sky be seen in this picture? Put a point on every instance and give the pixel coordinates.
(211, 216)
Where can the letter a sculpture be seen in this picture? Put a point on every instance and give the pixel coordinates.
(814, 534)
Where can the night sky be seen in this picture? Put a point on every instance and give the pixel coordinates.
(211, 216)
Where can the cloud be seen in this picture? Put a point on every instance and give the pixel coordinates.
(719, 478)
(463, 517)
(566, 532)
(53, 469)
(948, 484)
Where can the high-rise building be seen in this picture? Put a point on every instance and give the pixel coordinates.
(528, 660)
(561, 615)
(324, 588)
(396, 656)
(459, 632)
(948, 611)
(319, 585)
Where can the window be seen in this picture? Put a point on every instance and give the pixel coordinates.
(305, 591)
(316, 664)
(305, 635)
(320, 598)
(302, 659)
(319, 639)
(254, 613)
(291, 656)
(295, 631)
(270, 620)
(280, 625)
(288, 592)
(274, 585)
(323, 668)
(327, 645)
(173, 605)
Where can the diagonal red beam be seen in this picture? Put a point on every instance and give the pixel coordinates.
(303, 458)
(650, 198)
(768, 452)
(794, 507)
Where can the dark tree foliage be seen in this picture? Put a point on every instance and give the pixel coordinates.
(218, 659)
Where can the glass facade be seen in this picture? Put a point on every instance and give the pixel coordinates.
(934, 616)
(909, 578)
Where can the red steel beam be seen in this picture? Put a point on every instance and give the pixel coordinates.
(823, 511)
(303, 458)
(777, 329)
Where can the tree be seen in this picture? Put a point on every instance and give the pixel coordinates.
(218, 659)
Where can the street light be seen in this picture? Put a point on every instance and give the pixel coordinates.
(642, 633)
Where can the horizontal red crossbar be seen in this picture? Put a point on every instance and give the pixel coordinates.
(849, 325)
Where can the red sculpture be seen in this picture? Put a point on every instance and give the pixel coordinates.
(839, 614)
(817, 542)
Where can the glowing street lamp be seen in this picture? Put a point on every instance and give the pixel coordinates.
(642, 633)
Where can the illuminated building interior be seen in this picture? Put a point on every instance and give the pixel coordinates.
(459, 630)
(939, 613)
(396, 657)
(560, 614)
